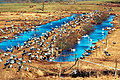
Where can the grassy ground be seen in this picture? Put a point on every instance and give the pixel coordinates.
(49, 7)
(83, 7)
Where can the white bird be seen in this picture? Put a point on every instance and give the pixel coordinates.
(6, 28)
(29, 61)
(26, 69)
(24, 61)
(73, 50)
(18, 63)
(11, 57)
(113, 29)
(105, 49)
(1, 60)
(78, 39)
(85, 36)
(78, 42)
(102, 28)
(2, 31)
(37, 52)
(5, 54)
(10, 66)
(20, 59)
(109, 28)
(22, 47)
(12, 61)
(90, 39)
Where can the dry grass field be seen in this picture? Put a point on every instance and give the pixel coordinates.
(53, 6)
(98, 55)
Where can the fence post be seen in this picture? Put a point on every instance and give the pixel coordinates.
(116, 67)
(20, 74)
(99, 50)
(60, 71)
(96, 50)
(75, 57)
(43, 6)
(78, 64)
(74, 1)
(102, 47)
(106, 41)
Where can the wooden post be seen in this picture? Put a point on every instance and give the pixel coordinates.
(61, 45)
(99, 50)
(78, 64)
(116, 67)
(106, 41)
(20, 71)
(102, 47)
(60, 71)
(1, 67)
(74, 1)
(43, 6)
(20, 75)
(75, 57)
(96, 50)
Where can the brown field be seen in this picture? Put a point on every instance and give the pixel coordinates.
(51, 72)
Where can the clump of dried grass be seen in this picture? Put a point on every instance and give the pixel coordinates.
(100, 17)
(66, 43)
